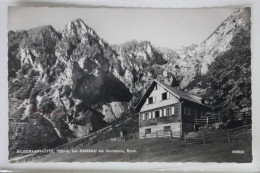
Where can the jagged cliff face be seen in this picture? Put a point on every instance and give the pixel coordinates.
(195, 60)
(75, 82)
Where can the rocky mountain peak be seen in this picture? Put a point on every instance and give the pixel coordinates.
(195, 60)
(40, 35)
(77, 28)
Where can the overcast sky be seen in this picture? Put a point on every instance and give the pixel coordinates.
(171, 28)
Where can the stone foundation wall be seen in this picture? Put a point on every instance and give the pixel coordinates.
(159, 131)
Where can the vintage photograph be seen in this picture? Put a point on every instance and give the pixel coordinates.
(129, 85)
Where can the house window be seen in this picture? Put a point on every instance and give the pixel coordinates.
(156, 87)
(157, 114)
(148, 131)
(145, 116)
(164, 96)
(150, 100)
(168, 111)
(167, 128)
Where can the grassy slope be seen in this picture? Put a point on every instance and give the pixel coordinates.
(162, 150)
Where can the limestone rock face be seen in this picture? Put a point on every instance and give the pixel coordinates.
(194, 60)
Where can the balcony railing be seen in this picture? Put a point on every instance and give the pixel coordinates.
(159, 120)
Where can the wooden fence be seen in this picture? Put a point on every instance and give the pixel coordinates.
(159, 134)
(241, 133)
(242, 116)
(134, 136)
(226, 135)
(127, 137)
(206, 120)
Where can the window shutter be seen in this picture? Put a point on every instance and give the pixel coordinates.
(154, 99)
(164, 112)
(150, 115)
(172, 110)
(153, 114)
(161, 112)
(147, 101)
(143, 117)
(168, 95)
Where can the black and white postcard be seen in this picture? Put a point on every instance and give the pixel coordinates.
(129, 85)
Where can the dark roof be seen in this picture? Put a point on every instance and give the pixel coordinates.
(176, 92)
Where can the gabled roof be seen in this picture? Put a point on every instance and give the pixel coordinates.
(180, 94)
(176, 92)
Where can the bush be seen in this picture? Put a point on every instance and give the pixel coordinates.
(46, 105)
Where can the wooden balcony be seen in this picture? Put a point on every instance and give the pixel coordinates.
(160, 120)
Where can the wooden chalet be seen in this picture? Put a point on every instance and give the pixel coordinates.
(166, 109)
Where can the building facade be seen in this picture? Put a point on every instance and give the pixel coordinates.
(166, 111)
